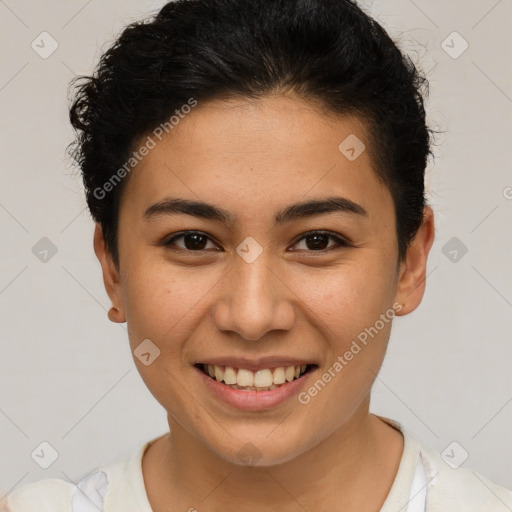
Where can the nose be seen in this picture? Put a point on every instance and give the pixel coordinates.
(254, 300)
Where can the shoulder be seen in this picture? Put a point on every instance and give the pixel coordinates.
(448, 487)
(110, 488)
(48, 495)
(56, 495)
(460, 488)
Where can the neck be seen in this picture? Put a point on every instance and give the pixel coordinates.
(181, 473)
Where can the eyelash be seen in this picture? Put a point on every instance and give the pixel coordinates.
(341, 243)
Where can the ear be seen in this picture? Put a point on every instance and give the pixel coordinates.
(413, 270)
(111, 278)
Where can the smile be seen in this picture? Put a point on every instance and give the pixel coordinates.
(265, 379)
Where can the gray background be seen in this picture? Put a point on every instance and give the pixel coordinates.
(67, 376)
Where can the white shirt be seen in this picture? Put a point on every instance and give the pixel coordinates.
(424, 483)
(418, 493)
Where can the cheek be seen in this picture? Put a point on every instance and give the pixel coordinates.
(351, 296)
(164, 303)
(352, 308)
(348, 315)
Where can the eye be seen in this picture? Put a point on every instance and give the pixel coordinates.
(196, 241)
(317, 241)
(193, 241)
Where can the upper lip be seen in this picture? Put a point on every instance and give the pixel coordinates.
(256, 364)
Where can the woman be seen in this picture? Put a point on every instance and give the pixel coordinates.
(256, 173)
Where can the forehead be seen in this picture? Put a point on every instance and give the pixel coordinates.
(246, 154)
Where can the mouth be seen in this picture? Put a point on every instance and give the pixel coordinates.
(265, 379)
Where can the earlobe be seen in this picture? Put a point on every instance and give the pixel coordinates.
(111, 279)
(113, 315)
(413, 270)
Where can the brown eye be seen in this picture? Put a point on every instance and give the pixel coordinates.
(192, 241)
(319, 241)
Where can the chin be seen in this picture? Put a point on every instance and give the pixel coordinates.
(261, 450)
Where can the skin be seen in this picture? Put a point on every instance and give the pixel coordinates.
(253, 158)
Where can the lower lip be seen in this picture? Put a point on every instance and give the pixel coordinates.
(255, 400)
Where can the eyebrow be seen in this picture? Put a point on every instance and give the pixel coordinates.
(296, 211)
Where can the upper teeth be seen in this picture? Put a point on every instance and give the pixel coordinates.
(259, 379)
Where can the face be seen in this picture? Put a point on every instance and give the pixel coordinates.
(254, 280)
